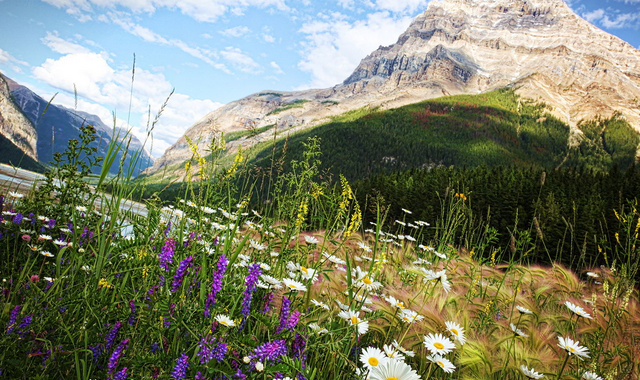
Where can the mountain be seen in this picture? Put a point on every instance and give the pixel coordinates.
(539, 47)
(58, 124)
(17, 133)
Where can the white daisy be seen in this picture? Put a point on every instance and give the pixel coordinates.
(456, 330)
(394, 302)
(577, 310)
(438, 344)
(46, 253)
(320, 304)
(573, 347)
(530, 373)
(364, 247)
(372, 357)
(409, 316)
(443, 363)
(394, 369)
(523, 310)
(311, 239)
(517, 331)
(225, 320)
(397, 345)
(592, 274)
(591, 376)
(354, 320)
(316, 327)
(294, 285)
(392, 352)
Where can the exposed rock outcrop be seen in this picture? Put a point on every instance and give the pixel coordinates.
(14, 125)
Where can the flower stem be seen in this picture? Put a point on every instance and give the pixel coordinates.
(563, 365)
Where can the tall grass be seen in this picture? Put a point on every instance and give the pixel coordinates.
(297, 288)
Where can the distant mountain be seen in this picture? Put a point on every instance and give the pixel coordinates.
(539, 47)
(58, 124)
(17, 133)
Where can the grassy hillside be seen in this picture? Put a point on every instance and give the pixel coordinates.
(496, 128)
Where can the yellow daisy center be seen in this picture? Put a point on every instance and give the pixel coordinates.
(399, 304)
(367, 280)
(224, 322)
(354, 320)
(292, 286)
(438, 345)
(392, 378)
(454, 331)
(373, 362)
(304, 269)
(571, 349)
(441, 364)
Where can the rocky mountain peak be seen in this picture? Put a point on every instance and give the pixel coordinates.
(540, 47)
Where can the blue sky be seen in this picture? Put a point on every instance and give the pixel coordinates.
(210, 51)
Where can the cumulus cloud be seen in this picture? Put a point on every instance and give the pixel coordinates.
(100, 87)
(206, 11)
(333, 47)
(237, 31)
(612, 20)
(276, 68)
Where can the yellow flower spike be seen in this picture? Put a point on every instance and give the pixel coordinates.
(302, 213)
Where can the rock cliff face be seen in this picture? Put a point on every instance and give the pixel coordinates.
(14, 125)
(540, 47)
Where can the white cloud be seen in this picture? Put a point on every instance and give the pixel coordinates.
(268, 38)
(612, 20)
(237, 31)
(149, 35)
(207, 11)
(101, 87)
(11, 61)
(240, 60)
(402, 6)
(334, 48)
(62, 46)
(276, 68)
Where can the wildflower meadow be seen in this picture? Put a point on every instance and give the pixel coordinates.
(217, 285)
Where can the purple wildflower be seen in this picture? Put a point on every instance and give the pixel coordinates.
(166, 230)
(52, 223)
(13, 318)
(117, 354)
(270, 351)
(293, 320)
(209, 350)
(182, 270)
(166, 256)
(250, 282)
(180, 370)
(122, 375)
(18, 218)
(200, 376)
(284, 314)
(96, 351)
(132, 317)
(298, 348)
(216, 286)
(111, 337)
(26, 322)
(32, 219)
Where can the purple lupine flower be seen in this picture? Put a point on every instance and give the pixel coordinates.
(18, 218)
(284, 314)
(298, 348)
(117, 354)
(111, 337)
(132, 317)
(216, 285)
(200, 376)
(166, 256)
(239, 375)
(26, 322)
(32, 219)
(250, 282)
(166, 230)
(180, 370)
(293, 320)
(267, 302)
(52, 223)
(209, 350)
(270, 351)
(96, 351)
(182, 270)
(13, 318)
(122, 375)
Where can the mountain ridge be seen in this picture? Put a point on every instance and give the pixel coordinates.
(540, 47)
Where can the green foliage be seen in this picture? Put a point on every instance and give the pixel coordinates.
(298, 103)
